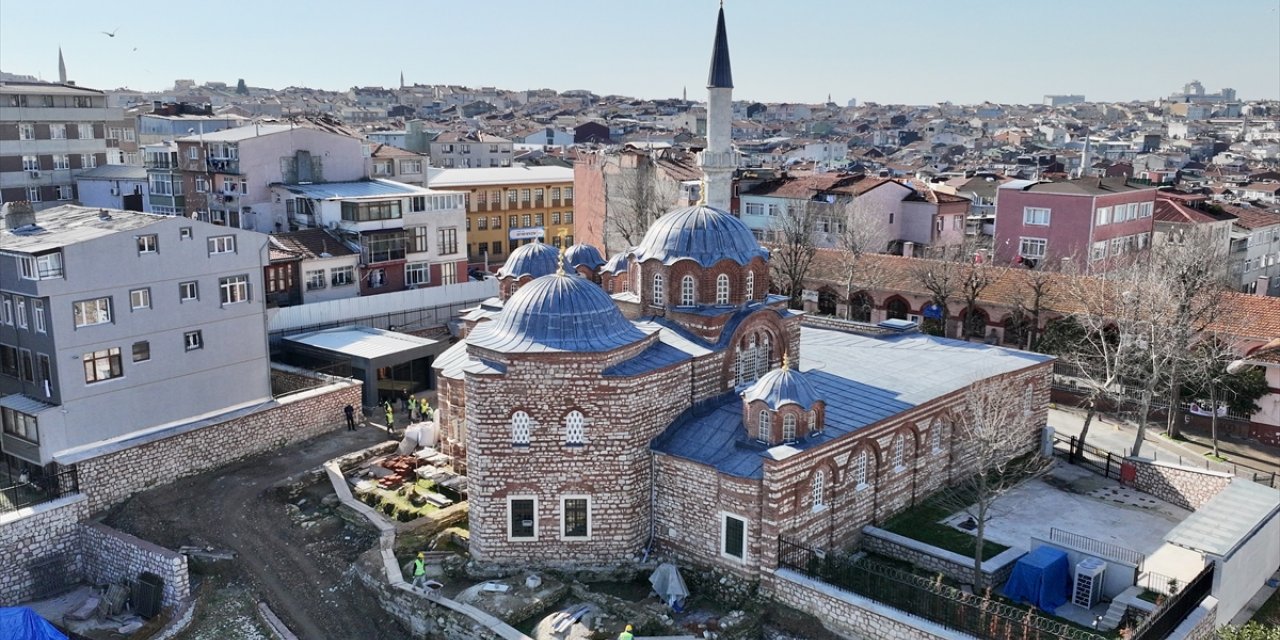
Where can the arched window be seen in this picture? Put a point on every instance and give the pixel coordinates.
(819, 489)
(813, 423)
(1028, 400)
(575, 428)
(860, 469)
(899, 453)
(610, 287)
(751, 286)
(764, 433)
(789, 427)
(688, 294)
(626, 283)
(762, 355)
(740, 368)
(722, 289)
(896, 309)
(935, 436)
(659, 290)
(521, 426)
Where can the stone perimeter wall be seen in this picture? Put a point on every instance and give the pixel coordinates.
(113, 477)
(37, 533)
(112, 557)
(1186, 487)
(952, 565)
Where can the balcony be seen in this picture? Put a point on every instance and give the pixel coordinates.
(222, 165)
(161, 164)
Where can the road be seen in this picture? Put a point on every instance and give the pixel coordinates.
(302, 573)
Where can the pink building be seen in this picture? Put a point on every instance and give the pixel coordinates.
(1089, 221)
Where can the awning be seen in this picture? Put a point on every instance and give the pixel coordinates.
(1227, 520)
(24, 404)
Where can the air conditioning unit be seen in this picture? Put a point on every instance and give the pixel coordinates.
(34, 174)
(115, 192)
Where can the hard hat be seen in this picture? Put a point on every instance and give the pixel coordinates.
(422, 554)
(628, 627)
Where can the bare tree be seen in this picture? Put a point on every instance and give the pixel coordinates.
(1034, 286)
(996, 439)
(635, 197)
(858, 231)
(953, 273)
(794, 246)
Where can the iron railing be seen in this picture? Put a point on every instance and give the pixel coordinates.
(1176, 609)
(927, 598)
(50, 483)
(1096, 547)
(1159, 583)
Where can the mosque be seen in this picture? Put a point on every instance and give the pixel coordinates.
(662, 403)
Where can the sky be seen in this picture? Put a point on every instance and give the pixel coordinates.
(889, 51)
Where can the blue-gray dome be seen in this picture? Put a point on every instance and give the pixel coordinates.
(618, 263)
(535, 259)
(704, 234)
(559, 312)
(582, 255)
(782, 386)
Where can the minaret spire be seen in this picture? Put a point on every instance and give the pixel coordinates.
(718, 160)
(62, 68)
(721, 76)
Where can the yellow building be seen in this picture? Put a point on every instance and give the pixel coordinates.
(511, 206)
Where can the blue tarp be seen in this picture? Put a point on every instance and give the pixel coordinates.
(21, 623)
(1042, 578)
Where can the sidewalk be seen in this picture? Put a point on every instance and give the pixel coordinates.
(1108, 434)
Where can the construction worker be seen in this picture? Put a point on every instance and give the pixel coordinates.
(425, 409)
(626, 634)
(420, 570)
(413, 409)
(391, 421)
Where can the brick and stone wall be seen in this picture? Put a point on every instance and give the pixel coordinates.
(113, 557)
(47, 531)
(110, 478)
(1199, 624)
(1186, 487)
(935, 560)
(691, 500)
(848, 614)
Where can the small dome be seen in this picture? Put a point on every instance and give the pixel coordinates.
(704, 234)
(618, 263)
(535, 259)
(782, 386)
(582, 255)
(557, 313)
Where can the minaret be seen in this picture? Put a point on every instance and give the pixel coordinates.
(401, 79)
(718, 160)
(62, 68)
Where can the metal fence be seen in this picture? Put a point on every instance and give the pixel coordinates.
(1103, 462)
(927, 598)
(1107, 463)
(1096, 547)
(1176, 609)
(43, 485)
(1159, 583)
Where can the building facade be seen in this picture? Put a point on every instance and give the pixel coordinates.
(174, 332)
(470, 150)
(49, 134)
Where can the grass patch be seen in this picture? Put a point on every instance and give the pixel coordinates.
(1269, 613)
(1150, 596)
(1209, 455)
(923, 522)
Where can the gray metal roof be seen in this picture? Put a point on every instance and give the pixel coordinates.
(535, 259)
(356, 189)
(487, 176)
(65, 225)
(1225, 522)
(557, 313)
(24, 404)
(618, 263)
(114, 172)
(782, 386)
(236, 134)
(720, 74)
(583, 255)
(361, 342)
(703, 234)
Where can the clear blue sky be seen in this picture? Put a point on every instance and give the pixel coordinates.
(889, 51)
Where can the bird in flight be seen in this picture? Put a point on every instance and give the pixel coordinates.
(110, 34)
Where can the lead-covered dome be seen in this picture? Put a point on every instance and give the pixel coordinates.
(535, 260)
(780, 387)
(582, 255)
(557, 313)
(703, 234)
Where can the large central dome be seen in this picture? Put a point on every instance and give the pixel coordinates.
(557, 313)
(703, 234)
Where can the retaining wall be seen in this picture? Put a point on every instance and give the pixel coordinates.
(50, 530)
(1186, 487)
(952, 565)
(113, 557)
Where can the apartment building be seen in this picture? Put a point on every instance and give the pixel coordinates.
(49, 134)
(169, 121)
(173, 332)
(452, 149)
(1255, 249)
(407, 237)
(401, 165)
(226, 175)
(511, 206)
(1088, 222)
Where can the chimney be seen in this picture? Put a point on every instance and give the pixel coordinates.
(18, 214)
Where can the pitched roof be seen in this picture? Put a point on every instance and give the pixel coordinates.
(1252, 217)
(311, 243)
(1170, 211)
(388, 151)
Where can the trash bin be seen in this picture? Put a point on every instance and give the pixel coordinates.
(148, 594)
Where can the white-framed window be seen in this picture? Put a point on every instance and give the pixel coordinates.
(688, 291)
(1102, 216)
(1038, 216)
(147, 243)
(85, 130)
(521, 429)
(222, 244)
(37, 315)
(233, 289)
(813, 423)
(1098, 250)
(140, 299)
(733, 537)
(899, 453)
(88, 160)
(860, 470)
(818, 490)
(575, 517)
(775, 210)
(417, 273)
(722, 289)
(63, 192)
(1033, 247)
(764, 431)
(202, 184)
(341, 276)
(522, 517)
(26, 131)
(315, 279)
(193, 340)
(659, 290)
(20, 311)
(57, 132)
(62, 161)
(789, 427)
(30, 163)
(411, 166)
(753, 208)
(751, 285)
(6, 310)
(575, 428)
(1144, 209)
(33, 194)
(90, 312)
(188, 291)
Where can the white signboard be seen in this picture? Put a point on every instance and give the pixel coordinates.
(809, 295)
(527, 233)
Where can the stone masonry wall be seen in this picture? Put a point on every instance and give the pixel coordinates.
(849, 614)
(38, 533)
(1186, 487)
(110, 478)
(113, 557)
(952, 565)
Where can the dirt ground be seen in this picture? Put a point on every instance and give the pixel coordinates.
(302, 572)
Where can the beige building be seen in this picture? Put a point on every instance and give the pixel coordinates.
(511, 206)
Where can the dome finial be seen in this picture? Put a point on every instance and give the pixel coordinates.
(702, 191)
(560, 262)
(786, 360)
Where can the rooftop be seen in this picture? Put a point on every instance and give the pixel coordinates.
(458, 178)
(361, 342)
(357, 189)
(236, 134)
(114, 172)
(1082, 186)
(311, 243)
(46, 89)
(1224, 522)
(67, 224)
